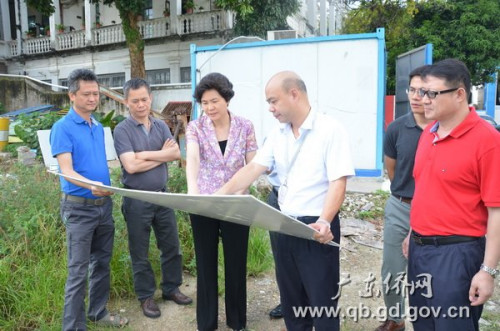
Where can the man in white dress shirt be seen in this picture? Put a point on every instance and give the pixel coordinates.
(310, 153)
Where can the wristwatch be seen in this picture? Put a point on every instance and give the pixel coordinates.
(493, 272)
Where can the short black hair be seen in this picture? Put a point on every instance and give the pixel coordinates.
(417, 72)
(453, 71)
(135, 84)
(214, 81)
(77, 75)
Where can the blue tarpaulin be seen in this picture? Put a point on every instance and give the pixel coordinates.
(41, 108)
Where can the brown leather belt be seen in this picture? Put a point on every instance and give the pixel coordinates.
(403, 199)
(84, 201)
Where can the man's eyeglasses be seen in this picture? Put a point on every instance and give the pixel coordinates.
(412, 91)
(434, 94)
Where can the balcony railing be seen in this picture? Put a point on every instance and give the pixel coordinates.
(156, 28)
(35, 45)
(70, 40)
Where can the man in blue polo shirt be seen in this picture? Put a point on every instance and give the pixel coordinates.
(77, 141)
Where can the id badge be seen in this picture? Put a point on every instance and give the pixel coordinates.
(282, 194)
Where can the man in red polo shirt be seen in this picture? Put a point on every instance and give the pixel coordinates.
(451, 267)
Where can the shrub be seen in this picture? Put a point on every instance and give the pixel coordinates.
(109, 119)
(31, 123)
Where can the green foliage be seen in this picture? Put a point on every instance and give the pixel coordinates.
(2, 108)
(392, 16)
(12, 149)
(241, 7)
(468, 30)
(107, 120)
(259, 258)
(263, 16)
(45, 7)
(31, 123)
(465, 29)
(33, 248)
(189, 4)
(493, 319)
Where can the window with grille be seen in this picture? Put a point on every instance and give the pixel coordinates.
(185, 74)
(112, 80)
(159, 76)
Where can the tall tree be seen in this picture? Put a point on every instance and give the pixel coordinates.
(468, 30)
(465, 29)
(394, 16)
(256, 17)
(131, 14)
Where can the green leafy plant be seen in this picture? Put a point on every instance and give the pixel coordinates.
(189, 6)
(60, 27)
(31, 123)
(2, 108)
(108, 119)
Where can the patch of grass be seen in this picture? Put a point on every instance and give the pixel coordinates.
(378, 198)
(260, 258)
(33, 248)
(491, 317)
(12, 149)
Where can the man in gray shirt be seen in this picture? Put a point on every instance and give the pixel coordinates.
(144, 145)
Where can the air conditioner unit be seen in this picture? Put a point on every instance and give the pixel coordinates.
(281, 34)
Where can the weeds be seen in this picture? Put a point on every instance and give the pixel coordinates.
(33, 248)
(378, 198)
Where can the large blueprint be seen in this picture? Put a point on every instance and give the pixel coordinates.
(241, 209)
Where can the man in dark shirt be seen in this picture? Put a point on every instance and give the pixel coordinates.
(400, 145)
(144, 145)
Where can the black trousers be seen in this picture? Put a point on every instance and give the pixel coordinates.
(141, 217)
(439, 278)
(272, 200)
(308, 276)
(206, 233)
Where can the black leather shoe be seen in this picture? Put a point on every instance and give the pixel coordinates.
(276, 312)
(391, 326)
(178, 298)
(150, 308)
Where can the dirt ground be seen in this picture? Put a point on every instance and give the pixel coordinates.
(262, 296)
(357, 261)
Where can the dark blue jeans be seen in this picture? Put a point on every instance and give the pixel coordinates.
(89, 234)
(140, 217)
